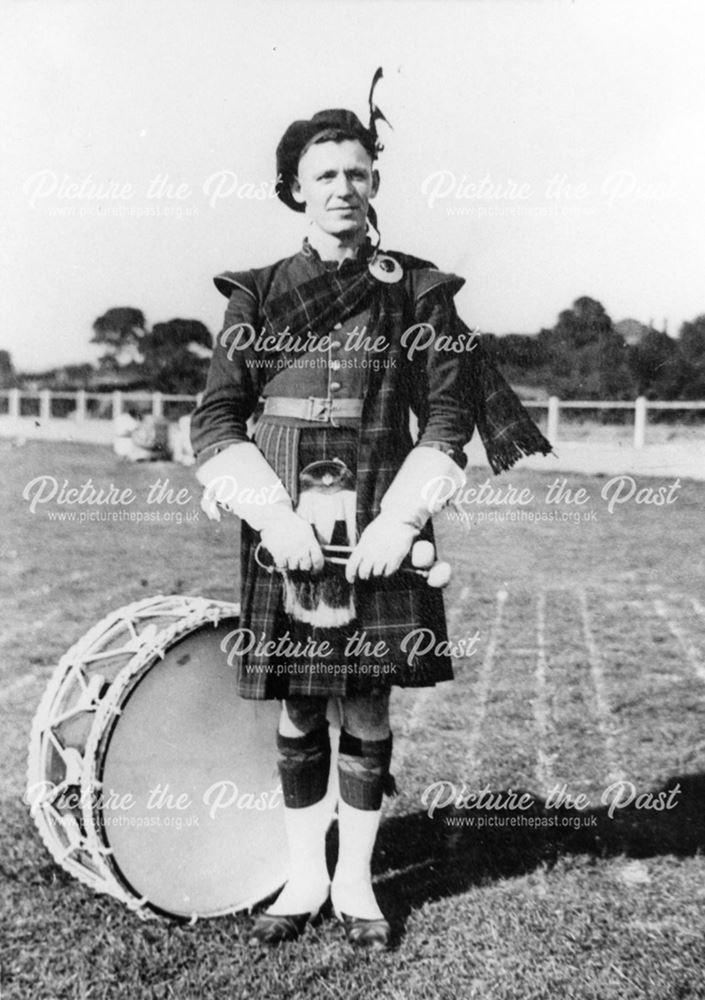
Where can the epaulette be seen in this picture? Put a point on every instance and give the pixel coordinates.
(255, 281)
(230, 280)
(423, 276)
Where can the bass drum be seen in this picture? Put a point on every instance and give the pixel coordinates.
(149, 777)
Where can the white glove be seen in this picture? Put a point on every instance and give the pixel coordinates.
(241, 480)
(426, 481)
(383, 546)
(292, 543)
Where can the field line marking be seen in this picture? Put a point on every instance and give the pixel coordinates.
(544, 760)
(597, 675)
(485, 676)
(689, 650)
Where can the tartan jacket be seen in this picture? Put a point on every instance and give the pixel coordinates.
(433, 384)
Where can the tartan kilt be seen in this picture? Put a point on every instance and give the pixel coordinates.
(371, 654)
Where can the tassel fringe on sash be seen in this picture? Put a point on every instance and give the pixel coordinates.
(508, 433)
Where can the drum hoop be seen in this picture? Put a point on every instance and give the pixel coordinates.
(193, 611)
(106, 719)
(60, 679)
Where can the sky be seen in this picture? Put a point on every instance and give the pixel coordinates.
(542, 149)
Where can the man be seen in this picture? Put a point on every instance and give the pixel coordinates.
(342, 342)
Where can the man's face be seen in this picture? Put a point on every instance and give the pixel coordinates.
(336, 181)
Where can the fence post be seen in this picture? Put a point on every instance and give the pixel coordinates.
(640, 422)
(157, 405)
(80, 411)
(554, 406)
(44, 404)
(117, 404)
(13, 403)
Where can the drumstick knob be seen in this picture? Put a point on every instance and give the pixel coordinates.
(423, 554)
(439, 575)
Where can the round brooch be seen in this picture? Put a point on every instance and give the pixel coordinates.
(385, 268)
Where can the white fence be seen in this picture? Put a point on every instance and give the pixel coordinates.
(81, 416)
(89, 416)
(641, 407)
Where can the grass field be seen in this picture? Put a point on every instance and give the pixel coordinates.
(589, 669)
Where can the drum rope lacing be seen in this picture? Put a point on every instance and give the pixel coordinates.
(59, 831)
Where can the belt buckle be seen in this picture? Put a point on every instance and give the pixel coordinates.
(320, 410)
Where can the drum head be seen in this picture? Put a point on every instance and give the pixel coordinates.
(190, 807)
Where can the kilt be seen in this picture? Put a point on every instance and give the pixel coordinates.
(282, 658)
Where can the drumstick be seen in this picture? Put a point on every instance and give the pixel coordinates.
(437, 576)
(422, 556)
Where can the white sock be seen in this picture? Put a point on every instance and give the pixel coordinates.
(352, 891)
(307, 887)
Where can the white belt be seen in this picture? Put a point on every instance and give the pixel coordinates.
(312, 408)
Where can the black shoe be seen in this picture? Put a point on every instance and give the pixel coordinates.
(274, 928)
(373, 935)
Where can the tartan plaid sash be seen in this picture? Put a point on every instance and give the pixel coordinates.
(318, 304)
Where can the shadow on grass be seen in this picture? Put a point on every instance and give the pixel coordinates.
(420, 859)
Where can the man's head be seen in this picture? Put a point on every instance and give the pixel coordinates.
(335, 181)
(325, 167)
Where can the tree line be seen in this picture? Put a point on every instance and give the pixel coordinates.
(583, 356)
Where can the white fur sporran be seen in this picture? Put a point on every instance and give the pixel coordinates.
(327, 501)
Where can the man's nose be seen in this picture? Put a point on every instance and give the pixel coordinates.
(343, 186)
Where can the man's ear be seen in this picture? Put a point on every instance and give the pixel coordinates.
(296, 192)
(375, 183)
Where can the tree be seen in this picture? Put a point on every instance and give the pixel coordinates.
(615, 376)
(519, 351)
(584, 324)
(172, 357)
(120, 330)
(691, 340)
(8, 378)
(691, 344)
(176, 356)
(585, 356)
(657, 366)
